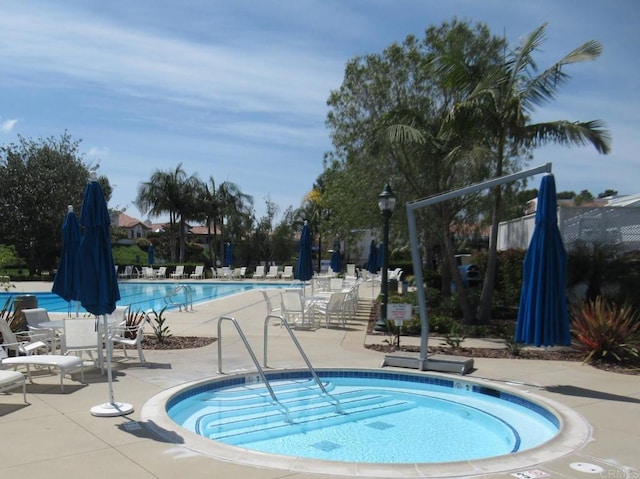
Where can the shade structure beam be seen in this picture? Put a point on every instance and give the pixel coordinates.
(415, 251)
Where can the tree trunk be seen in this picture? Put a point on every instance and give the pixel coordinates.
(486, 297)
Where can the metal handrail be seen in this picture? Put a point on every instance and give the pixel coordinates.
(253, 358)
(302, 353)
(188, 297)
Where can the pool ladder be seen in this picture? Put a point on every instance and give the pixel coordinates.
(172, 298)
(257, 364)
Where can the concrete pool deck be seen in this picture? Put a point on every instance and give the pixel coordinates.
(55, 436)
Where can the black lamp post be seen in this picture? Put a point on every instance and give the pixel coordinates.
(386, 203)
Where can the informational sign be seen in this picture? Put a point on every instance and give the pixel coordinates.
(399, 312)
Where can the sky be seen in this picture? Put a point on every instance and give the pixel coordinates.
(237, 90)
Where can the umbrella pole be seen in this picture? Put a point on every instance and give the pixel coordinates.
(111, 408)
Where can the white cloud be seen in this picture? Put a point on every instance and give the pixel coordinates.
(98, 152)
(7, 126)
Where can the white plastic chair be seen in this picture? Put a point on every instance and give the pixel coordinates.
(259, 274)
(288, 272)
(273, 272)
(198, 273)
(130, 335)
(81, 336)
(178, 273)
(333, 309)
(34, 318)
(294, 309)
(22, 342)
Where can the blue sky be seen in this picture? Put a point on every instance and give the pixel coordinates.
(237, 89)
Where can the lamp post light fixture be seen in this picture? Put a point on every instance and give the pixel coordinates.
(386, 203)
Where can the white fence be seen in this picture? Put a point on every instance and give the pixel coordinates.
(616, 226)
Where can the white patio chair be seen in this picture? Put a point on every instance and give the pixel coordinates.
(130, 335)
(332, 309)
(82, 336)
(295, 311)
(34, 318)
(23, 342)
(270, 309)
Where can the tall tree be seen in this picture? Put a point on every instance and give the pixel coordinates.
(170, 192)
(502, 105)
(389, 122)
(38, 180)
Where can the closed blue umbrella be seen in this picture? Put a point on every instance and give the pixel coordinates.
(543, 318)
(372, 260)
(65, 283)
(336, 258)
(304, 266)
(151, 255)
(98, 287)
(228, 254)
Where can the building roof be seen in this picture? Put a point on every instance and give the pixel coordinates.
(126, 221)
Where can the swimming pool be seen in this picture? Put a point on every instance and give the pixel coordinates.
(407, 421)
(150, 295)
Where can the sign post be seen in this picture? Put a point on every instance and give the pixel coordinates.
(399, 313)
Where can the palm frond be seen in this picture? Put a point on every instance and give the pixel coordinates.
(569, 133)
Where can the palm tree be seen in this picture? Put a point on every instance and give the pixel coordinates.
(170, 192)
(502, 105)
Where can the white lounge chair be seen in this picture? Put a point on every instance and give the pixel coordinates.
(178, 273)
(64, 363)
(198, 273)
(127, 273)
(288, 272)
(259, 273)
(161, 273)
(273, 272)
(11, 380)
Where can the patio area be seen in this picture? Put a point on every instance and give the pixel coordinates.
(55, 436)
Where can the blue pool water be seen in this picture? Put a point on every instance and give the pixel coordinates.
(150, 295)
(383, 417)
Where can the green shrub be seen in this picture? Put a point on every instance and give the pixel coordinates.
(441, 324)
(606, 331)
(160, 330)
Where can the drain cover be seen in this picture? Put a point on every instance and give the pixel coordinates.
(326, 446)
(380, 425)
(586, 467)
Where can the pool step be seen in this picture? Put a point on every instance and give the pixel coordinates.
(282, 389)
(301, 416)
(265, 412)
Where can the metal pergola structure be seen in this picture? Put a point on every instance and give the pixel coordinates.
(434, 363)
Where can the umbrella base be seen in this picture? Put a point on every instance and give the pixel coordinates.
(112, 409)
(440, 363)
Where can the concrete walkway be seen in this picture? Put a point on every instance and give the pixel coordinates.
(55, 436)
